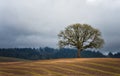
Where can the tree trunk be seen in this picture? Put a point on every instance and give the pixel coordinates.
(78, 53)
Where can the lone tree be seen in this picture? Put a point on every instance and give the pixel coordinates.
(80, 36)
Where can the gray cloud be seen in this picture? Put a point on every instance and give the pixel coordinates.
(34, 23)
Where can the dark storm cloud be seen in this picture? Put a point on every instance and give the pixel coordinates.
(33, 23)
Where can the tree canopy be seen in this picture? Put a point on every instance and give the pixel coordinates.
(81, 36)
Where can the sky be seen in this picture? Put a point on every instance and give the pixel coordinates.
(36, 23)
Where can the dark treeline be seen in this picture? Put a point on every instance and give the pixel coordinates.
(116, 55)
(51, 53)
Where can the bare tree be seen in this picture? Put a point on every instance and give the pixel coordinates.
(80, 36)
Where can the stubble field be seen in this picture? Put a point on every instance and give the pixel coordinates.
(62, 67)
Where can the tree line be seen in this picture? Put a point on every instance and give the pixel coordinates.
(51, 53)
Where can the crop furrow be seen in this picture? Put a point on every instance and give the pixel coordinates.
(94, 69)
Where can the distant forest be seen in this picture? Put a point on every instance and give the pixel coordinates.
(51, 53)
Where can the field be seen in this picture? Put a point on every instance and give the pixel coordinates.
(61, 67)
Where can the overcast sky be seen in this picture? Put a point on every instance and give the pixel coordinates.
(34, 23)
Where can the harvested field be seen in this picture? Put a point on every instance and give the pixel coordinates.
(62, 67)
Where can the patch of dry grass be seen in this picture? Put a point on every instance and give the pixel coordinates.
(62, 67)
